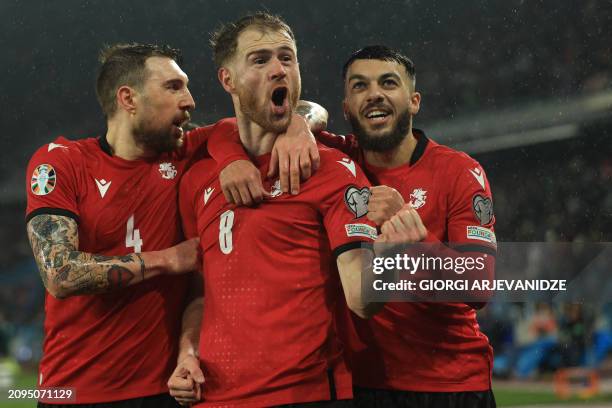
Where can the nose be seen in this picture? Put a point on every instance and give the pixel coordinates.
(375, 94)
(187, 103)
(277, 70)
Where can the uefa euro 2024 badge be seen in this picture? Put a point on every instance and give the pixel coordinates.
(43, 179)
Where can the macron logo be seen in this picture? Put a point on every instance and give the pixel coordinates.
(103, 186)
(349, 164)
(55, 146)
(207, 193)
(479, 176)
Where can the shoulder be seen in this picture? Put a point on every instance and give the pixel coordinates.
(337, 172)
(201, 172)
(467, 176)
(454, 162)
(64, 152)
(334, 161)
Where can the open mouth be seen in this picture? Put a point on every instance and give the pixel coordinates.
(182, 120)
(279, 95)
(179, 123)
(377, 114)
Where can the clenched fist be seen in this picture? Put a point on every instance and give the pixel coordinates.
(405, 227)
(186, 380)
(182, 258)
(384, 203)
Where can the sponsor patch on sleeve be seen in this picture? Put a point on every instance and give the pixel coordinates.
(360, 230)
(481, 234)
(43, 179)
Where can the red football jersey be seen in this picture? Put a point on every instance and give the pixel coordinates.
(121, 344)
(270, 283)
(429, 347)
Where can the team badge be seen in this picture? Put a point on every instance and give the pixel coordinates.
(167, 170)
(483, 209)
(276, 189)
(357, 200)
(417, 198)
(43, 179)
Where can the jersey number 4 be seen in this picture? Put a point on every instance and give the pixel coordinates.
(225, 231)
(132, 236)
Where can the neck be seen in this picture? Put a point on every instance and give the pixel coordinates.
(255, 139)
(120, 138)
(394, 157)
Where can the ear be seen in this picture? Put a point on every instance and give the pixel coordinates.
(345, 109)
(226, 78)
(126, 98)
(415, 103)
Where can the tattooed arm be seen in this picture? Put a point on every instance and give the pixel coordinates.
(66, 271)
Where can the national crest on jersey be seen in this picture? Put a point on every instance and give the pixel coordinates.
(167, 170)
(276, 189)
(417, 198)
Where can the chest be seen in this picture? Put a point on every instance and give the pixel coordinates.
(282, 223)
(426, 192)
(129, 209)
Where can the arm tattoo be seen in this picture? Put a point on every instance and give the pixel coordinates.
(66, 271)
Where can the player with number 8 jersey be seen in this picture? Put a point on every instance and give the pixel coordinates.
(270, 285)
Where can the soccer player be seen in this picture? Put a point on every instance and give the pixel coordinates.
(415, 354)
(102, 219)
(267, 334)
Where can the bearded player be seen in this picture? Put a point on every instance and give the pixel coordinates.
(101, 213)
(267, 336)
(416, 354)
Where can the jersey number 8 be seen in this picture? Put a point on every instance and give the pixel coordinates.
(225, 231)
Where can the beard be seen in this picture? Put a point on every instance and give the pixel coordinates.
(261, 115)
(383, 142)
(155, 139)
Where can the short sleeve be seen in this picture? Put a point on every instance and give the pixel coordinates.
(347, 144)
(52, 181)
(224, 145)
(345, 204)
(470, 217)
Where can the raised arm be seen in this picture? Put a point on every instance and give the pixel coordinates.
(66, 271)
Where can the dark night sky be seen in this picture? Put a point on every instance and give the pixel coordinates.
(469, 55)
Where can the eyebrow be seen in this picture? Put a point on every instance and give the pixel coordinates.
(391, 75)
(357, 76)
(267, 51)
(179, 79)
(382, 77)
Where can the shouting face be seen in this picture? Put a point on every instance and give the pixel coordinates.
(264, 76)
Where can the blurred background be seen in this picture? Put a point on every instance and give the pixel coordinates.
(524, 86)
